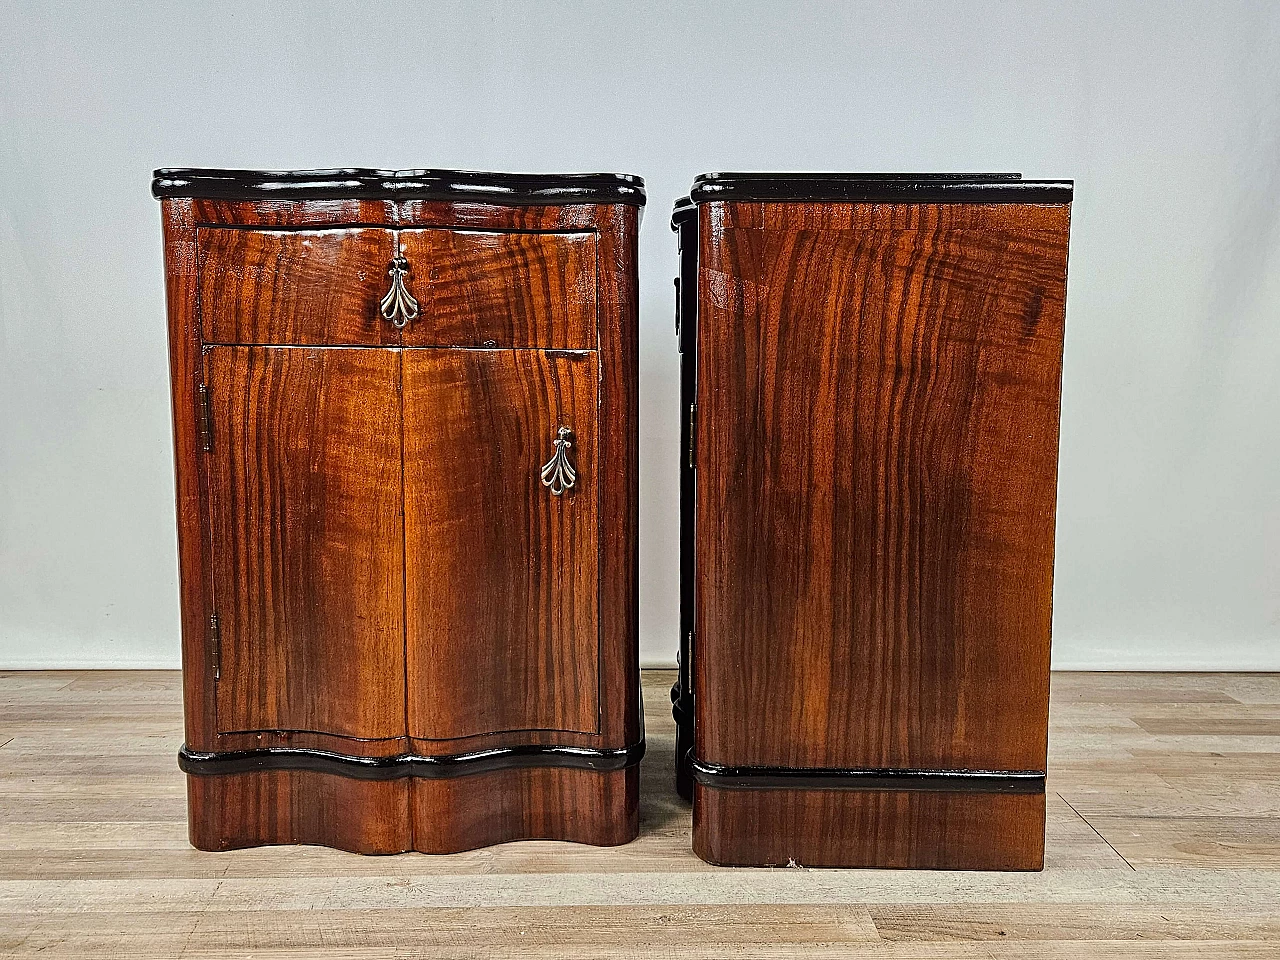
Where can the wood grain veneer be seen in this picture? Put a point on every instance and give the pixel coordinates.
(307, 519)
(503, 631)
(866, 828)
(317, 287)
(503, 289)
(297, 806)
(546, 803)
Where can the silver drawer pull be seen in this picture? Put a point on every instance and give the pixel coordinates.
(558, 473)
(398, 305)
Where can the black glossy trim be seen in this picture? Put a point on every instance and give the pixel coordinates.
(681, 211)
(877, 188)
(408, 764)
(507, 189)
(781, 778)
(685, 222)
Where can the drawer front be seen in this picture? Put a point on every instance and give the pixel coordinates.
(295, 286)
(501, 289)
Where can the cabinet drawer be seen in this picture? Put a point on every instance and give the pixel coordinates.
(501, 289)
(295, 286)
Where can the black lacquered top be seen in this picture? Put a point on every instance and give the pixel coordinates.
(879, 188)
(516, 189)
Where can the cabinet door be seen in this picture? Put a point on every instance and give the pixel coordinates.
(501, 572)
(307, 539)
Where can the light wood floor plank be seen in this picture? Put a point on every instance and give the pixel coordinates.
(1203, 841)
(1163, 824)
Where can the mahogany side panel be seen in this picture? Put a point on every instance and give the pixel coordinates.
(502, 289)
(618, 228)
(304, 482)
(876, 456)
(542, 803)
(227, 812)
(864, 828)
(502, 574)
(185, 377)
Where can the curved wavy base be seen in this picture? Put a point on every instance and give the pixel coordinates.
(430, 815)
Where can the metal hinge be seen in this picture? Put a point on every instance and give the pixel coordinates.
(693, 431)
(689, 666)
(215, 644)
(206, 419)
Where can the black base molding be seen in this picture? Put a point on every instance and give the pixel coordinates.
(785, 778)
(408, 764)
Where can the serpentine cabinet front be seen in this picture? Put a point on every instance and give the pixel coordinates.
(405, 441)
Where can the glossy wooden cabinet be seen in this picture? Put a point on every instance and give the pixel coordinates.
(405, 432)
(871, 370)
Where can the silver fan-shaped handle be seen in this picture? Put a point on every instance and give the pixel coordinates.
(558, 473)
(398, 305)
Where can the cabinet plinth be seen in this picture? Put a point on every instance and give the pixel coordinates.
(405, 441)
(871, 370)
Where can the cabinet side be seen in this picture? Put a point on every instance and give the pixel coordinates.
(180, 269)
(685, 222)
(876, 446)
(618, 319)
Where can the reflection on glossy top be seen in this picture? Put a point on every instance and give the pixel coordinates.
(363, 184)
(876, 187)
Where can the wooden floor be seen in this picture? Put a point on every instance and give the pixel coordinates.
(1164, 842)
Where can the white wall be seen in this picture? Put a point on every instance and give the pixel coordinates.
(1167, 116)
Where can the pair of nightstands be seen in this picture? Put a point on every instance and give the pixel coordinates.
(405, 415)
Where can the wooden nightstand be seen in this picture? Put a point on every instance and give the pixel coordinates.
(871, 381)
(405, 427)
